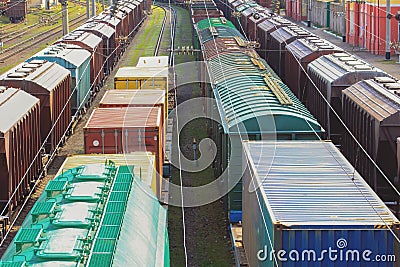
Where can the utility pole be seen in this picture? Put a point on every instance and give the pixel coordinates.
(388, 16)
(93, 8)
(64, 8)
(87, 9)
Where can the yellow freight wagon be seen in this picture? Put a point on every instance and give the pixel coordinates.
(142, 78)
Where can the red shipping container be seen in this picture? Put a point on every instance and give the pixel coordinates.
(19, 144)
(51, 83)
(125, 130)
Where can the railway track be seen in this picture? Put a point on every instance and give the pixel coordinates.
(173, 26)
(39, 38)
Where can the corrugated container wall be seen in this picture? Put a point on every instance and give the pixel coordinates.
(332, 74)
(94, 45)
(371, 110)
(135, 98)
(299, 54)
(304, 201)
(77, 61)
(126, 130)
(19, 144)
(51, 83)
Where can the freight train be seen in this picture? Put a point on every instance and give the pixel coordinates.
(62, 80)
(97, 211)
(318, 72)
(291, 192)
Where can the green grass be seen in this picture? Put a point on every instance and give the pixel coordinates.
(146, 39)
(74, 12)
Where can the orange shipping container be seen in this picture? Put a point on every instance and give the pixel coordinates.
(124, 130)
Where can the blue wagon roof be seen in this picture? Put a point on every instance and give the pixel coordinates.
(312, 183)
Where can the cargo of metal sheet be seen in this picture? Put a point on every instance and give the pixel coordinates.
(20, 160)
(144, 164)
(94, 45)
(141, 78)
(135, 98)
(77, 61)
(371, 110)
(107, 34)
(277, 46)
(264, 30)
(332, 74)
(304, 205)
(125, 130)
(299, 54)
(51, 83)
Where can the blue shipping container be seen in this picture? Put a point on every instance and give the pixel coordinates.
(305, 205)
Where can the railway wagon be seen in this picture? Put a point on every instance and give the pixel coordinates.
(141, 78)
(84, 218)
(51, 84)
(206, 30)
(254, 20)
(144, 164)
(19, 145)
(120, 26)
(150, 62)
(132, 17)
(254, 106)
(16, 10)
(332, 74)
(371, 110)
(139, 10)
(264, 30)
(77, 61)
(126, 13)
(299, 54)
(247, 11)
(317, 209)
(125, 130)
(135, 98)
(94, 45)
(203, 11)
(277, 46)
(107, 34)
(251, 102)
